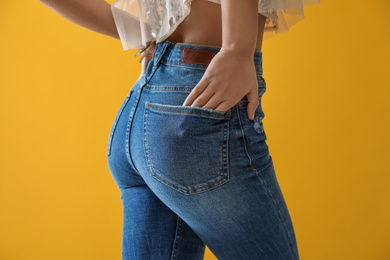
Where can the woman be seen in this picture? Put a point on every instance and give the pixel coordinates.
(188, 148)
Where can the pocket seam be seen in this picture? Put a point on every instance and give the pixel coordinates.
(190, 110)
(187, 191)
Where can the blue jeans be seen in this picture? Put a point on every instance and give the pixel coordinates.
(190, 176)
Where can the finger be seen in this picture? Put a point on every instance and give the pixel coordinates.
(212, 102)
(253, 102)
(204, 99)
(195, 92)
(223, 106)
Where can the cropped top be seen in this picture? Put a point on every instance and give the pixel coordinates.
(141, 21)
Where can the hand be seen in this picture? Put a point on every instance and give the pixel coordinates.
(228, 78)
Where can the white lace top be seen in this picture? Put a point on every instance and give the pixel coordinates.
(142, 21)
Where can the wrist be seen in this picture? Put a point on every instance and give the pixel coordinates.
(239, 52)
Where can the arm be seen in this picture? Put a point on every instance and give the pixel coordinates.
(239, 26)
(231, 74)
(95, 15)
(92, 14)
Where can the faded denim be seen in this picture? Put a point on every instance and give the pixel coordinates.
(190, 176)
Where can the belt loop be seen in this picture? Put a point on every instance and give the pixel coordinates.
(154, 63)
(160, 54)
(145, 50)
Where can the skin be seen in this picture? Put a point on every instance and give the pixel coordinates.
(196, 26)
(231, 74)
(236, 27)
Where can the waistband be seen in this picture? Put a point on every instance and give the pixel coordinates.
(193, 55)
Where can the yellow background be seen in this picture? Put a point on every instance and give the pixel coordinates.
(326, 117)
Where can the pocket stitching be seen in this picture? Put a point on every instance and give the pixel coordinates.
(190, 110)
(220, 180)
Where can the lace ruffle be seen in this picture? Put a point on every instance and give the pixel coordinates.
(141, 21)
(280, 14)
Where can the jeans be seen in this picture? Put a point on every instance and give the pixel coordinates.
(191, 176)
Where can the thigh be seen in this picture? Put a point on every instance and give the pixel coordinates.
(244, 218)
(152, 231)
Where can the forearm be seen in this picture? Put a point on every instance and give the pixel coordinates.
(92, 14)
(239, 25)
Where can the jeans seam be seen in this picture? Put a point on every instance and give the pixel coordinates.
(277, 208)
(176, 241)
(190, 110)
(157, 61)
(200, 66)
(243, 138)
(116, 121)
(128, 129)
(169, 88)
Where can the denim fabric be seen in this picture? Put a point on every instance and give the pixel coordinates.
(190, 176)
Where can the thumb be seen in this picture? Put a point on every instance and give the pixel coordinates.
(253, 102)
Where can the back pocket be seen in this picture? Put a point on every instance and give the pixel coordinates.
(187, 147)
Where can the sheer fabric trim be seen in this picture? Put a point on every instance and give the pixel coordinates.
(141, 21)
